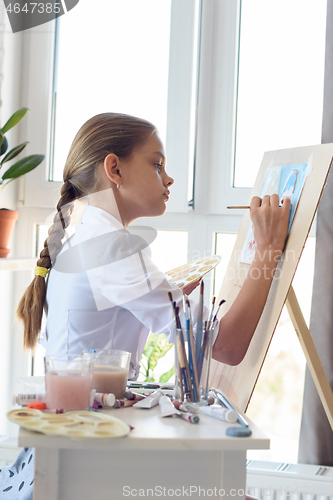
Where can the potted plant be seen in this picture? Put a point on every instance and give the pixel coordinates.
(19, 168)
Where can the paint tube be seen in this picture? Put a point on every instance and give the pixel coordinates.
(25, 399)
(189, 417)
(149, 401)
(120, 403)
(166, 407)
(133, 395)
(216, 411)
(105, 400)
(179, 405)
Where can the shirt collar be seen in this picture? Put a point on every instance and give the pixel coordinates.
(95, 215)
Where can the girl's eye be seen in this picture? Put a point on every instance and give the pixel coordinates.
(158, 166)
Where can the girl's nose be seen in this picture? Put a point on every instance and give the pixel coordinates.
(168, 180)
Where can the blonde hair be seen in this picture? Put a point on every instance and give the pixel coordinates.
(101, 135)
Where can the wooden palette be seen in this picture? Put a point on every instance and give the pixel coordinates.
(72, 424)
(192, 271)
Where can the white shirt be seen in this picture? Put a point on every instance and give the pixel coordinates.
(104, 292)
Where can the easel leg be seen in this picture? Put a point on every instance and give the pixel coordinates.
(311, 354)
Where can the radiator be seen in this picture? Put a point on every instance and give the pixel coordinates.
(283, 481)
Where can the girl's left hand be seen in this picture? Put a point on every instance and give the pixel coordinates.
(189, 288)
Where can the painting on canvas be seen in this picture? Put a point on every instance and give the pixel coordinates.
(286, 181)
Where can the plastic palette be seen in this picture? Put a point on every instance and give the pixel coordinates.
(72, 424)
(193, 271)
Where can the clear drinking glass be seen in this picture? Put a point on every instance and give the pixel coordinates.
(68, 381)
(110, 371)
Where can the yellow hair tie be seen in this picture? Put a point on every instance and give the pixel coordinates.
(41, 271)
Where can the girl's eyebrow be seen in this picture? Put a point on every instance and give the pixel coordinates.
(159, 153)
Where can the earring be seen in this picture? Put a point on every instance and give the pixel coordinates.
(118, 186)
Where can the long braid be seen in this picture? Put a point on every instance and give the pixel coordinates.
(31, 306)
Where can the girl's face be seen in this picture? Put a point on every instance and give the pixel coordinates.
(144, 188)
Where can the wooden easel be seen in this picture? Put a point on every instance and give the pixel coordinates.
(311, 355)
(238, 382)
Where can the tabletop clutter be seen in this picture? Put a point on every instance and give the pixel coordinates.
(78, 385)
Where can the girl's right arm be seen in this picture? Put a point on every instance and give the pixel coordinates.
(237, 326)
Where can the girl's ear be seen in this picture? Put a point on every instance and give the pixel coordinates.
(112, 168)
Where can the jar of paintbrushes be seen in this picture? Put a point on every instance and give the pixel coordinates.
(193, 350)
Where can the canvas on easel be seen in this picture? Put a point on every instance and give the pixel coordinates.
(313, 163)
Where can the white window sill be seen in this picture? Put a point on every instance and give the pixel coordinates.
(17, 264)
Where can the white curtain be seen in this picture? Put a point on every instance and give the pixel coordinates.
(316, 436)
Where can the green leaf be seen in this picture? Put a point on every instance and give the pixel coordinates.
(23, 166)
(2, 186)
(156, 347)
(14, 152)
(150, 345)
(161, 348)
(14, 119)
(4, 145)
(167, 375)
(2, 138)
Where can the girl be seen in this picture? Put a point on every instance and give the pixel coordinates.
(103, 290)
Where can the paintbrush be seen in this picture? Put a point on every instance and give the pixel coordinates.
(190, 352)
(209, 331)
(184, 366)
(198, 338)
(180, 380)
(195, 370)
(242, 207)
(173, 307)
(217, 310)
(211, 313)
(206, 337)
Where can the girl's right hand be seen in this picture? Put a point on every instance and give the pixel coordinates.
(270, 222)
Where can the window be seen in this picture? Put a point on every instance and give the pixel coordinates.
(134, 71)
(276, 404)
(280, 80)
(118, 61)
(224, 244)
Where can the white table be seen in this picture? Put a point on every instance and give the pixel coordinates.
(159, 458)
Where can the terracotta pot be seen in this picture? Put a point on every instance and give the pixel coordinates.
(7, 221)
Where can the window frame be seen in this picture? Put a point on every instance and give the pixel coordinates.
(38, 66)
(217, 108)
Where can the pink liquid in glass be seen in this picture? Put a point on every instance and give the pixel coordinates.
(110, 379)
(67, 390)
